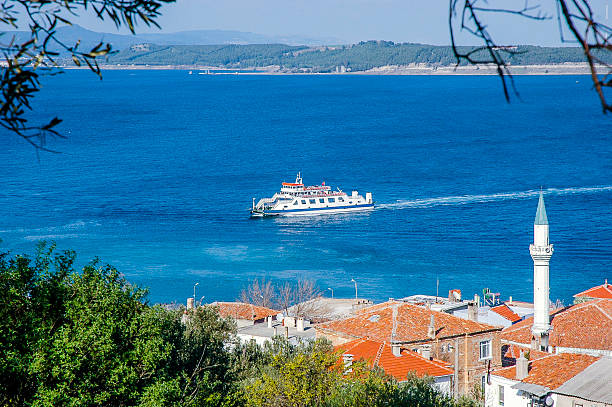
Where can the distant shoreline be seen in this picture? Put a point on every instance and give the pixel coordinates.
(413, 69)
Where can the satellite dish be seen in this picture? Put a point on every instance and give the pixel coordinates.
(549, 401)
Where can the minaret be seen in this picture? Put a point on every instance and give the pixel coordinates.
(541, 252)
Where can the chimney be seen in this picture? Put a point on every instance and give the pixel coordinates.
(347, 358)
(269, 321)
(426, 352)
(396, 349)
(473, 310)
(300, 325)
(522, 367)
(431, 330)
(190, 302)
(454, 295)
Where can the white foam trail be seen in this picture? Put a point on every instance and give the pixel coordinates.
(470, 199)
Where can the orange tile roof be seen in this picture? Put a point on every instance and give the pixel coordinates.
(584, 326)
(514, 352)
(601, 291)
(551, 371)
(506, 312)
(411, 322)
(241, 310)
(380, 354)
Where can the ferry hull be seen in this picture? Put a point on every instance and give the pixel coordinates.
(311, 211)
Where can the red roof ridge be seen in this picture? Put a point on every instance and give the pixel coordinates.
(379, 353)
(605, 287)
(602, 311)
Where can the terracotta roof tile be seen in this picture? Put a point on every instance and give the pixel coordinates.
(506, 312)
(241, 310)
(584, 326)
(551, 371)
(601, 291)
(380, 354)
(412, 322)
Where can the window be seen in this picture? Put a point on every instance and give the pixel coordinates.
(313, 201)
(295, 203)
(303, 202)
(340, 199)
(322, 200)
(331, 200)
(501, 394)
(485, 349)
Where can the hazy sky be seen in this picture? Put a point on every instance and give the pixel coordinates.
(423, 21)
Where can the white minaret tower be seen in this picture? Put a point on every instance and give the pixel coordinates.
(541, 252)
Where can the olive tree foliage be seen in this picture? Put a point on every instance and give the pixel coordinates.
(577, 22)
(90, 338)
(313, 374)
(23, 63)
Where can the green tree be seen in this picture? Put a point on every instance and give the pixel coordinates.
(90, 338)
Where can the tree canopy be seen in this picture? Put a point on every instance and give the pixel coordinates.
(88, 338)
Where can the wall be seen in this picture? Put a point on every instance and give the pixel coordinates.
(470, 367)
(511, 396)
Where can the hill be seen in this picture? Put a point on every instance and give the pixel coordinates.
(71, 34)
(358, 57)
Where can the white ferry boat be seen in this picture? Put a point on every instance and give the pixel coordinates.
(296, 199)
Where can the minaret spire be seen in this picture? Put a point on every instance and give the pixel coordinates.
(541, 251)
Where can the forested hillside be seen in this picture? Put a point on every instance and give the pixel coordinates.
(358, 57)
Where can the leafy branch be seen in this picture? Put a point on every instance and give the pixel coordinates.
(25, 62)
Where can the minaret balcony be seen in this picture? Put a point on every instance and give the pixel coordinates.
(541, 252)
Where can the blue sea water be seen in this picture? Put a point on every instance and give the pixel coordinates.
(158, 170)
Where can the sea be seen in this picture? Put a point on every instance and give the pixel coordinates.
(158, 169)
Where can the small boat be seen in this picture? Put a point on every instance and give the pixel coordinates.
(295, 199)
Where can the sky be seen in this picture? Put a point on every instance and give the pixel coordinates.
(418, 21)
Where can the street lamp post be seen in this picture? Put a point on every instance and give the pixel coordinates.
(194, 291)
(332, 290)
(353, 280)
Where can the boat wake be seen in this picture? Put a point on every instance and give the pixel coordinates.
(472, 199)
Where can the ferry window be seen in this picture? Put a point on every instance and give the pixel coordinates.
(295, 203)
(322, 200)
(313, 201)
(340, 199)
(303, 202)
(331, 200)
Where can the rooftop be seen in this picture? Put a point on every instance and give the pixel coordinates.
(409, 322)
(380, 354)
(550, 371)
(241, 310)
(583, 326)
(593, 383)
(601, 291)
(506, 312)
